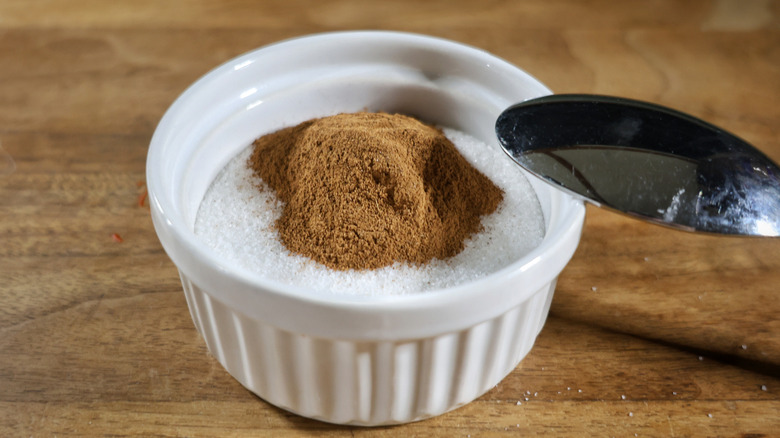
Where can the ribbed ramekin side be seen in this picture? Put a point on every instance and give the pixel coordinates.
(362, 382)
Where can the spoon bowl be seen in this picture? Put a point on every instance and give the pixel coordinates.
(647, 161)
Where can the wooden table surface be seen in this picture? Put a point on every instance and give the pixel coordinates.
(652, 332)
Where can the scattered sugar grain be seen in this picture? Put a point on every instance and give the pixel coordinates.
(236, 220)
(763, 387)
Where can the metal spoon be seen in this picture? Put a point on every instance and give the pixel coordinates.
(645, 160)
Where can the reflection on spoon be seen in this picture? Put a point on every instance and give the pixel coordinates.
(645, 160)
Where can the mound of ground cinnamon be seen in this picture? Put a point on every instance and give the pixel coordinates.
(365, 190)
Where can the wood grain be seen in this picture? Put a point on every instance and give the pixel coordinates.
(652, 332)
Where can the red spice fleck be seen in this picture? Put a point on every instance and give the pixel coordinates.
(142, 198)
(144, 195)
(117, 238)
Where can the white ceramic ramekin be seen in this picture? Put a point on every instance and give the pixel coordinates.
(337, 358)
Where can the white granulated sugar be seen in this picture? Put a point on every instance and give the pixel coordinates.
(236, 219)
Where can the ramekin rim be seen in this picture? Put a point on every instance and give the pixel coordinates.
(191, 244)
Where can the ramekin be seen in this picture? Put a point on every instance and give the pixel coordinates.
(342, 358)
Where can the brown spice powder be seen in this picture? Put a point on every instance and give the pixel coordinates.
(364, 190)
